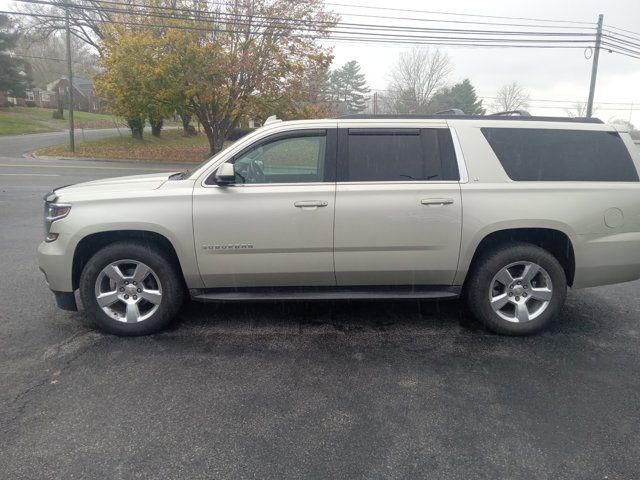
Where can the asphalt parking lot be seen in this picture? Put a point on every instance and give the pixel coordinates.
(349, 390)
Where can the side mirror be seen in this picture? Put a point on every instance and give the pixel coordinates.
(226, 174)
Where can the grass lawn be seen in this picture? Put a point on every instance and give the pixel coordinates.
(172, 146)
(17, 125)
(19, 120)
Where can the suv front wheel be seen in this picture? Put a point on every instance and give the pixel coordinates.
(517, 289)
(131, 289)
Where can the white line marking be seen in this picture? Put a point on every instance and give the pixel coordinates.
(29, 174)
(35, 165)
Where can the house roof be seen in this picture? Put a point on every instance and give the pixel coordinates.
(84, 85)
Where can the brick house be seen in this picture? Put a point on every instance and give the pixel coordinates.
(84, 94)
(39, 97)
(43, 98)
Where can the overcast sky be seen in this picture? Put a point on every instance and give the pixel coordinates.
(556, 74)
(548, 74)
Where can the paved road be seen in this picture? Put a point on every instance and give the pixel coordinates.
(18, 145)
(347, 390)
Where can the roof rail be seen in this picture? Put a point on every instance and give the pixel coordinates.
(486, 118)
(451, 111)
(522, 113)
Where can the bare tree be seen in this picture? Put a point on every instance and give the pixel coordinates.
(511, 97)
(47, 57)
(579, 109)
(90, 19)
(417, 75)
(87, 20)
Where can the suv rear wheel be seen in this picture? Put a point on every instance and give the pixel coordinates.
(517, 289)
(131, 289)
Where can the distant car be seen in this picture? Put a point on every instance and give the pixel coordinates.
(505, 211)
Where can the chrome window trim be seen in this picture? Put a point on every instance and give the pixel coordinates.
(462, 164)
(408, 182)
(249, 185)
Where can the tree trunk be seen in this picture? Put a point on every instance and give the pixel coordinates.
(188, 129)
(137, 127)
(137, 133)
(216, 140)
(156, 126)
(60, 109)
(215, 144)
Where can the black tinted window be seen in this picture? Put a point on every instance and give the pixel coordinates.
(561, 155)
(380, 155)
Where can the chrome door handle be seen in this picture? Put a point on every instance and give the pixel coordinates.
(436, 201)
(310, 203)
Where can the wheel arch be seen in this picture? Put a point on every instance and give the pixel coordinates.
(93, 242)
(553, 240)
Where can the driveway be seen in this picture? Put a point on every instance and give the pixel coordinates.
(345, 390)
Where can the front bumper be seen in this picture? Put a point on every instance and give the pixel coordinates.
(56, 264)
(50, 265)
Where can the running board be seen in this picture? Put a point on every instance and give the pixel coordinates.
(278, 294)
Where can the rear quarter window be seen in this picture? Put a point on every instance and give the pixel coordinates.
(533, 154)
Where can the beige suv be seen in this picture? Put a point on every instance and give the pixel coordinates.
(505, 211)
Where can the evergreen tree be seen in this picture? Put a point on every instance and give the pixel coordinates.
(319, 84)
(12, 77)
(349, 88)
(462, 96)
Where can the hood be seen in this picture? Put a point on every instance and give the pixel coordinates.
(131, 183)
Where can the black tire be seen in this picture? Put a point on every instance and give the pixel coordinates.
(166, 271)
(479, 285)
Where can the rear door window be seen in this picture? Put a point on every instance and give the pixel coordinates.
(397, 155)
(532, 154)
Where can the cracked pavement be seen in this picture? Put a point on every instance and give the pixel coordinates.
(305, 390)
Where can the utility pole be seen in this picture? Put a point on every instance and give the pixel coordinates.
(375, 103)
(72, 142)
(594, 66)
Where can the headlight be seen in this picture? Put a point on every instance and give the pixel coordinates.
(53, 212)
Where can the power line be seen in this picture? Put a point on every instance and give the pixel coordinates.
(367, 37)
(622, 41)
(636, 34)
(432, 12)
(334, 30)
(390, 35)
(38, 57)
(622, 35)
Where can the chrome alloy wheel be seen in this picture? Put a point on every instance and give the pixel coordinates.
(128, 291)
(520, 292)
